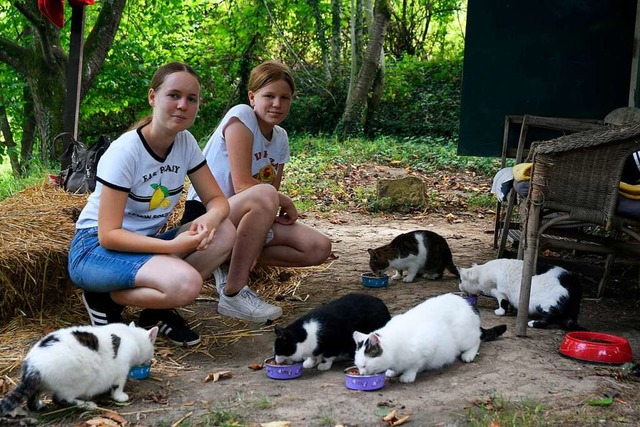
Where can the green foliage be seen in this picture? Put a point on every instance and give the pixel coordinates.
(10, 185)
(505, 413)
(420, 98)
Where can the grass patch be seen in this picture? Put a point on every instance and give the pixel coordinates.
(216, 418)
(482, 201)
(418, 153)
(10, 185)
(498, 411)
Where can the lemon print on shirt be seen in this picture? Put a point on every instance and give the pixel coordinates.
(159, 197)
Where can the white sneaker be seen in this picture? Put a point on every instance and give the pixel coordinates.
(247, 305)
(220, 276)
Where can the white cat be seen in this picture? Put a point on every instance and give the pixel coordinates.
(80, 362)
(429, 336)
(555, 293)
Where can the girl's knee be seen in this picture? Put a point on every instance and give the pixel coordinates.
(188, 290)
(321, 250)
(225, 236)
(264, 197)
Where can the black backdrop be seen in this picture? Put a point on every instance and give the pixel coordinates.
(557, 58)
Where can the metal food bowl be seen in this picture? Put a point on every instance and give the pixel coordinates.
(371, 280)
(355, 381)
(140, 372)
(282, 372)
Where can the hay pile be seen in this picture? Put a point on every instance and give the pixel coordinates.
(37, 296)
(36, 228)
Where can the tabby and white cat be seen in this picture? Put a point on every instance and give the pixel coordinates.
(428, 336)
(555, 292)
(325, 333)
(80, 362)
(419, 252)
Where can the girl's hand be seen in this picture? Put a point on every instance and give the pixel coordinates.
(208, 237)
(197, 237)
(287, 216)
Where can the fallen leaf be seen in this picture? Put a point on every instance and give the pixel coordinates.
(102, 422)
(390, 416)
(601, 402)
(400, 421)
(218, 375)
(113, 415)
(276, 424)
(256, 366)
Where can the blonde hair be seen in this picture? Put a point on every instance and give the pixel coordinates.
(269, 72)
(158, 79)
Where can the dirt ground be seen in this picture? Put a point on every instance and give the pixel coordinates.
(514, 369)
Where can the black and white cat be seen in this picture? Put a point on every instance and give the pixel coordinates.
(555, 292)
(429, 336)
(419, 252)
(80, 362)
(325, 333)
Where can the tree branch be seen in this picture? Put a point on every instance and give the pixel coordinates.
(99, 41)
(13, 54)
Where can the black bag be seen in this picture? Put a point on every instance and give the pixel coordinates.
(80, 176)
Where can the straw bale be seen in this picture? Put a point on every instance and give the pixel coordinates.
(37, 227)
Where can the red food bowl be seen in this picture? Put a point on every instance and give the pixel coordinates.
(596, 347)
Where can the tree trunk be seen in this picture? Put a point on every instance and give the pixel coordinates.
(355, 113)
(5, 130)
(321, 38)
(336, 38)
(43, 65)
(356, 44)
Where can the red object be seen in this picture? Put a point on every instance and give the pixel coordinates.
(82, 2)
(596, 347)
(53, 10)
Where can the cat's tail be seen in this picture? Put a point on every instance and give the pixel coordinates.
(28, 388)
(492, 333)
(452, 269)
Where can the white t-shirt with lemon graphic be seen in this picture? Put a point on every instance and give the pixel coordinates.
(267, 155)
(154, 184)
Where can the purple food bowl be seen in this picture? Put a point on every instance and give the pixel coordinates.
(471, 299)
(372, 280)
(282, 372)
(354, 381)
(140, 372)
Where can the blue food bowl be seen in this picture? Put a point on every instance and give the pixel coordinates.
(140, 372)
(372, 280)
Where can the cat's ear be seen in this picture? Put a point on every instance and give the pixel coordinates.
(371, 252)
(279, 330)
(132, 324)
(374, 339)
(359, 336)
(153, 334)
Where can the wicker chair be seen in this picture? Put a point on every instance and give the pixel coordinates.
(578, 176)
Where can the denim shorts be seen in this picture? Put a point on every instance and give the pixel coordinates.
(96, 269)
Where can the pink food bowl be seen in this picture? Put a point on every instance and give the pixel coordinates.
(596, 347)
(282, 372)
(355, 381)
